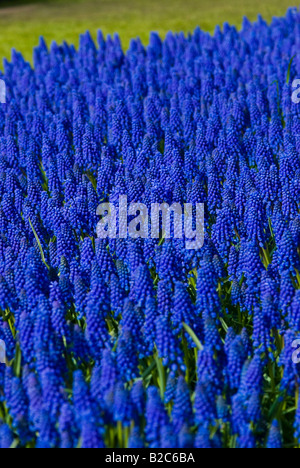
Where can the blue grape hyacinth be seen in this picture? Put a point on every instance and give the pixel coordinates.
(131, 342)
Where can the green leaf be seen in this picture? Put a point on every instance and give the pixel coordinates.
(289, 70)
(17, 361)
(39, 244)
(92, 179)
(275, 407)
(161, 376)
(224, 324)
(149, 370)
(193, 336)
(14, 444)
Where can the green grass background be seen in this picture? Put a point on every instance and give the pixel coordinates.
(22, 22)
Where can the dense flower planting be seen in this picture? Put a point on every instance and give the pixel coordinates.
(141, 342)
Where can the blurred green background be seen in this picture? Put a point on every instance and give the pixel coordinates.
(22, 22)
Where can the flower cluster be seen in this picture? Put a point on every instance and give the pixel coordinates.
(141, 342)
